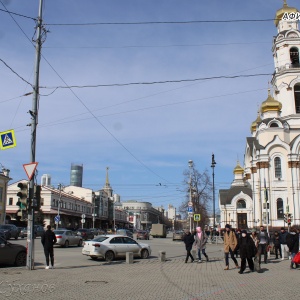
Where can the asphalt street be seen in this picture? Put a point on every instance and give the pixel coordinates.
(78, 277)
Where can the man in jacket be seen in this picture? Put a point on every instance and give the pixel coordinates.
(48, 240)
(282, 239)
(230, 243)
(189, 241)
(292, 241)
(263, 242)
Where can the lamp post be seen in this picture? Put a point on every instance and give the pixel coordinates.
(191, 165)
(213, 164)
(60, 187)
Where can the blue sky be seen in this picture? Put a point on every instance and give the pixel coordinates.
(146, 134)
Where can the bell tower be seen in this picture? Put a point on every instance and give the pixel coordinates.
(286, 48)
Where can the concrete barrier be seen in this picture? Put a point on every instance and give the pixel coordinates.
(129, 257)
(162, 256)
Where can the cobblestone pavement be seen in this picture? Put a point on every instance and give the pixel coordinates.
(151, 279)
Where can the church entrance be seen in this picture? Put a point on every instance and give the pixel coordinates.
(242, 221)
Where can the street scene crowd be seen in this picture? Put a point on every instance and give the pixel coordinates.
(251, 248)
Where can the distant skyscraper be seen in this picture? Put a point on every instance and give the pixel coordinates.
(46, 180)
(76, 175)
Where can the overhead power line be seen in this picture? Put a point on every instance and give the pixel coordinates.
(156, 82)
(156, 22)
(16, 14)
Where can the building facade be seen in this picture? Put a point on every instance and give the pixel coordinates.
(4, 179)
(268, 186)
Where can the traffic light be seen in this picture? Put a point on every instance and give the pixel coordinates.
(22, 196)
(37, 197)
(289, 220)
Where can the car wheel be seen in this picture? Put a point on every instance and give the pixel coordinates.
(109, 256)
(20, 259)
(144, 253)
(94, 258)
(80, 243)
(66, 244)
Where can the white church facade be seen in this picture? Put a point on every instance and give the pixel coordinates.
(268, 184)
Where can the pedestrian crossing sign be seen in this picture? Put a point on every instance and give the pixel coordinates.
(7, 139)
(197, 217)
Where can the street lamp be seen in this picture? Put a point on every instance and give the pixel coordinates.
(60, 187)
(213, 164)
(191, 165)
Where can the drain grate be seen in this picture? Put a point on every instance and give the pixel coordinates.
(96, 282)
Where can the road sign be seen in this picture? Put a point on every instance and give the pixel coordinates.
(7, 139)
(197, 217)
(82, 221)
(190, 203)
(30, 169)
(190, 209)
(57, 218)
(83, 216)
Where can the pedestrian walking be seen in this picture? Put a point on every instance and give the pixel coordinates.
(292, 241)
(230, 243)
(238, 236)
(188, 240)
(263, 243)
(247, 251)
(48, 240)
(276, 243)
(282, 239)
(200, 243)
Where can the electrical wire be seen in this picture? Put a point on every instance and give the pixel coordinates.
(16, 14)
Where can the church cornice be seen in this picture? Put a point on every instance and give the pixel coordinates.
(262, 165)
(294, 164)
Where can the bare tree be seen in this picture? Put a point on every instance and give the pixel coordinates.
(200, 186)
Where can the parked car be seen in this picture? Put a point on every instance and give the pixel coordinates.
(125, 232)
(86, 234)
(178, 235)
(142, 235)
(12, 254)
(66, 238)
(10, 231)
(23, 232)
(111, 246)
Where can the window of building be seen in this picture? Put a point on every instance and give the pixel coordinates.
(241, 204)
(297, 97)
(42, 201)
(10, 201)
(53, 202)
(280, 212)
(274, 125)
(277, 164)
(294, 56)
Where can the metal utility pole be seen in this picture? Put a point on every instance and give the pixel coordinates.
(191, 164)
(34, 122)
(60, 187)
(213, 164)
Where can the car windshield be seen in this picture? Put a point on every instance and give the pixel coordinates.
(58, 231)
(100, 238)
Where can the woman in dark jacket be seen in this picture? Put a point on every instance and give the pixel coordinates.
(189, 240)
(247, 251)
(277, 246)
(292, 241)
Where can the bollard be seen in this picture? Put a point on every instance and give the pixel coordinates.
(162, 255)
(129, 257)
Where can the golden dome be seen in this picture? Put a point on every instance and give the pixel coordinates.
(280, 12)
(270, 104)
(238, 169)
(254, 123)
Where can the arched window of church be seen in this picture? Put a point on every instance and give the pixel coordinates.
(294, 56)
(274, 125)
(241, 204)
(297, 97)
(280, 213)
(277, 163)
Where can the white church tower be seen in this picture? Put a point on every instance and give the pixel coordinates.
(272, 154)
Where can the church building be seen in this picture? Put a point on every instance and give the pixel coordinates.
(268, 185)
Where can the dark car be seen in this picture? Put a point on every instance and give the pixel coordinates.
(142, 235)
(38, 230)
(86, 234)
(10, 231)
(12, 254)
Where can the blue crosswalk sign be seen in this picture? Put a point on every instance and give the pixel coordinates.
(7, 139)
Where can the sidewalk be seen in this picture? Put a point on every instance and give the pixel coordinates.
(151, 279)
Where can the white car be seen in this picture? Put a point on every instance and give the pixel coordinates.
(111, 246)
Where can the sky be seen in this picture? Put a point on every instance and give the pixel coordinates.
(130, 85)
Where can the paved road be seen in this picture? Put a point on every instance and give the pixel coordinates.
(77, 277)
